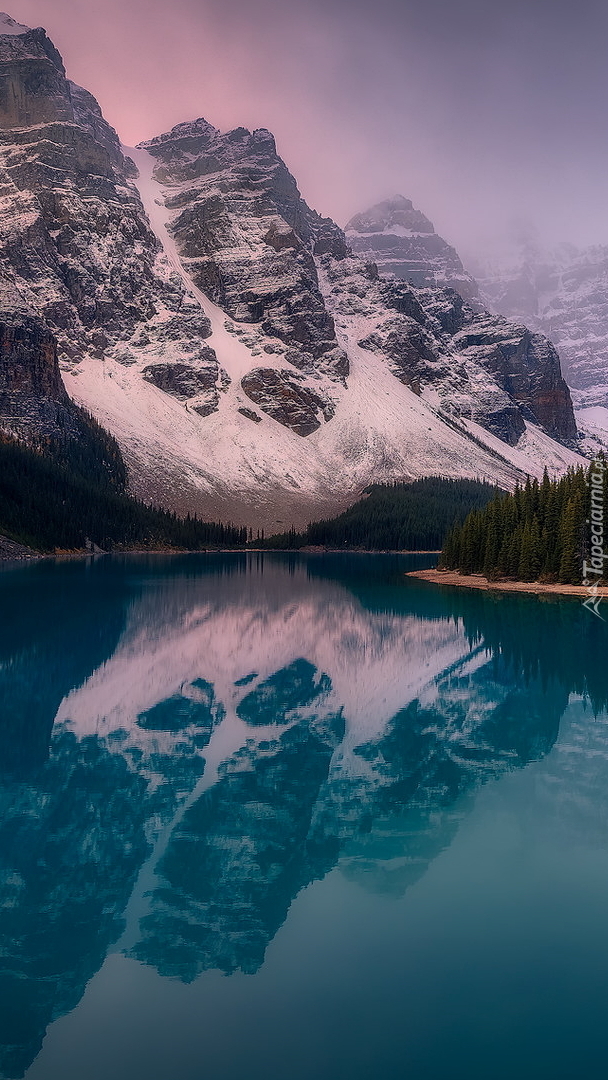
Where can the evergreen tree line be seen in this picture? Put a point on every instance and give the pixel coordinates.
(47, 505)
(94, 454)
(540, 532)
(85, 448)
(395, 517)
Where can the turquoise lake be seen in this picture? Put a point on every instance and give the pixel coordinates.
(284, 817)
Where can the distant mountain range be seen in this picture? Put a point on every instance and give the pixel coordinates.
(564, 293)
(253, 361)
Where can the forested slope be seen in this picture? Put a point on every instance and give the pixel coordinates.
(48, 505)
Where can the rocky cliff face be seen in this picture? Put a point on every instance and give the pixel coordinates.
(403, 244)
(33, 85)
(72, 230)
(195, 299)
(564, 294)
(32, 394)
(525, 366)
(81, 273)
(247, 238)
(477, 366)
(34, 404)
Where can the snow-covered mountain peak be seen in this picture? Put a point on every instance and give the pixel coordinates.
(403, 244)
(392, 214)
(34, 86)
(196, 145)
(10, 28)
(250, 366)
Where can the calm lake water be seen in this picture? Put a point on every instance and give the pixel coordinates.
(285, 817)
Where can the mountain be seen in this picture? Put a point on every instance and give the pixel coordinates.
(563, 293)
(249, 364)
(403, 244)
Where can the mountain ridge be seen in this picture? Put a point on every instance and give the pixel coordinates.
(214, 323)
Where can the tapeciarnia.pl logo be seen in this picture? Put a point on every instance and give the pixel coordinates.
(595, 566)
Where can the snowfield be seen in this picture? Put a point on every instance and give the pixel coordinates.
(263, 474)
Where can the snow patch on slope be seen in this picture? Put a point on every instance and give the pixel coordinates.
(593, 426)
(233, 355)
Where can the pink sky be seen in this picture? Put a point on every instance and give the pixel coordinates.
(478, 111)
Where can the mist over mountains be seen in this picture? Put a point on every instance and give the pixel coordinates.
(480, 113)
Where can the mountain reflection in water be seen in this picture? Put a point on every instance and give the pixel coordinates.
(239, 726)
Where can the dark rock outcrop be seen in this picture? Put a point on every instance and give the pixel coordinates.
(187, 379)
(412, 352)
(282, 396)
(35, 407)
(33, 85)
(250, 414)
(524, 365)
(480, 366)
(34, 404)
(28, 360)
(88, 115)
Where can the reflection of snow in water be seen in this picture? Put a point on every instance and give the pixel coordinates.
(377, 663)
(161, 803)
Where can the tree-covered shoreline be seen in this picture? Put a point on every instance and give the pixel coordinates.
(540, 532)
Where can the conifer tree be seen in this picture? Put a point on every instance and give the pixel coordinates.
(492, 539)
(570, 566)
(537, 531)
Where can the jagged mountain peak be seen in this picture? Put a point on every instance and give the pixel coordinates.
(402, 242)
(33, 84)
(10, 28)
(263, 135)
(18, 43)
(199, 129)
(189, 140)
(395, 213)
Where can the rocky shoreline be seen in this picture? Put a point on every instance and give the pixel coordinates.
(11, 551)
